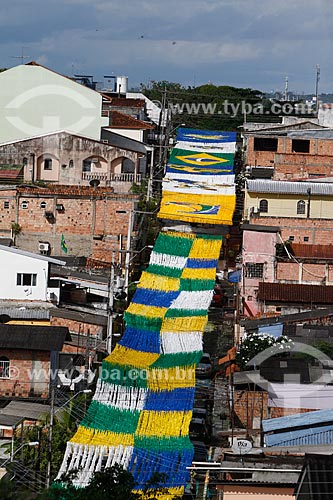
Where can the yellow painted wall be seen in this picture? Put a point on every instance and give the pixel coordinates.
(285, 205)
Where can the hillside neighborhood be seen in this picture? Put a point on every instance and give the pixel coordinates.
(85, 182)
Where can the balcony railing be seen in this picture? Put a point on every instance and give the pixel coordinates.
(88, 176)
(137, 178)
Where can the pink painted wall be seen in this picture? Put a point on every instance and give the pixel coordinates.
(258, 248)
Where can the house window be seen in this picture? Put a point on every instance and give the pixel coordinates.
(291, 238)
(300, 146)
(263, 206)
(43, 205)
(25, 279)
(254, 271)
(301, 207)
(86, 166)
(48, 164)
(4, 367)
(24, 204)
(6, 204)
(265, 144)
(306, 238)
(25, 161)
(71, 164)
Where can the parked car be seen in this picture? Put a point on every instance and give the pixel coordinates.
(198, 428)
(200, 451)
(204, 367)
(199, 413)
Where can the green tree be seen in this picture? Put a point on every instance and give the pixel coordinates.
(255, 344)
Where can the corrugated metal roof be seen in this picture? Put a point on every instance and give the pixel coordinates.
(38, 338)
(301, 250)
(309, 436)
(295, 293)
(288, 187)
(25, 313)
(298, 420)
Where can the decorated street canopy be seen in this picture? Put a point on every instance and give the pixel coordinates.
(142, 407)
(201, 169)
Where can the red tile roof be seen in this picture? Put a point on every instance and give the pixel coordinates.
(124, 102)
(11, 171)
(303, 251)
(295, 293)
(121, 120)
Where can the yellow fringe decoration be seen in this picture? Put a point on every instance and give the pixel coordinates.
(164, 423)
(102, 438)
(160, 379)
(125, 356)
(170, 495)
(161, 283)
(147, 311)
(199, 274)
(202, 248)
(185, 324)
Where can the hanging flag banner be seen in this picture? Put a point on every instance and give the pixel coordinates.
(203, 175)
(208, 136)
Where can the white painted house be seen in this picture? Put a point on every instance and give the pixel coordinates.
(35, 100)
(25, 276)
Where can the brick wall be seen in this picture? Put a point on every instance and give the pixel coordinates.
(319, 231)
(29, 374)
(88, 213)
(289, 165)
(77, 327)
(250, 405)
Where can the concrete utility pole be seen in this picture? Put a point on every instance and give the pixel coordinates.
(317, 88)
(110, 308)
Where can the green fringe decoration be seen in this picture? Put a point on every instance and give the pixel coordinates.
(194, 285)
(106, 418)
(183, 313)
(181, 359)
(173, 245)
(163, 444)
(142, 322)
(209, 237)
(125, 375)
(170, 272)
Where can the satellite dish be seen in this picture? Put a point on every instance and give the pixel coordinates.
(241, 446)
(94, 183)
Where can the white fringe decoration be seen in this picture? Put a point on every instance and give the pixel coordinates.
(193, 300)
(163, 259)
(124, 398)
(172, 343)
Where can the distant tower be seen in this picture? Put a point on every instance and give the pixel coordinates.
(286, 87)
(317, 87)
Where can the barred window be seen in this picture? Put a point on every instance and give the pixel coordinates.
(301, 207)
(254, 270)
(4, 367)
(263, 206)
(25, 279)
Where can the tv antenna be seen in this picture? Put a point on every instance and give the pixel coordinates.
(22, 56)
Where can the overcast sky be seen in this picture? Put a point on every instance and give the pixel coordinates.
(245, 43)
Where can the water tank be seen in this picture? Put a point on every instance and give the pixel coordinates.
(121, 84)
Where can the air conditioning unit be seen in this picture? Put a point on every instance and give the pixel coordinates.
(44, 247)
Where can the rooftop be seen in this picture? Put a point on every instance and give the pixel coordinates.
(31, 255)
(302, 251)
(121, 120)
(295, 293)
(33, 338)
(288, 187)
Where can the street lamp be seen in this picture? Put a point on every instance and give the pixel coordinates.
(129, 259)
(52, 413)
(13, 453)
